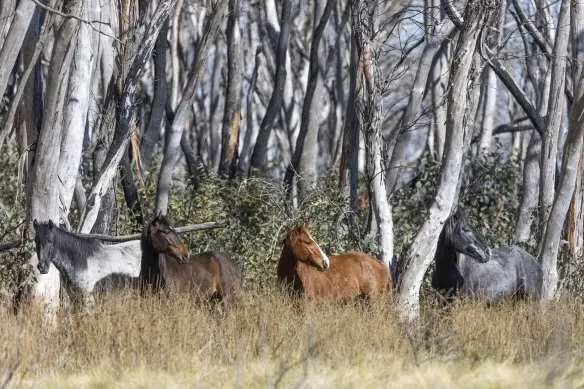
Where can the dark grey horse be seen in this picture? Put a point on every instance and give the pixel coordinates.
(467, 266)
(86, 265)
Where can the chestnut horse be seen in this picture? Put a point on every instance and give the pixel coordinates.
(305, 268)
(166, 264)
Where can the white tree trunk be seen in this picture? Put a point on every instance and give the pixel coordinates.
(13, 42)
(171, 149)
(369, 107)
(569, 172)
(75, 118)
(555, 111)
(424, 245)
(44, 193)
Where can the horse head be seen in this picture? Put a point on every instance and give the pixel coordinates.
(165, 239)
(45, 244)
(305, 249)
(465, 239)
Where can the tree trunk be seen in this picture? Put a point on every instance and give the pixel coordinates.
(369, 105)
(246, 149)
(13, 42)
(75, 118)
(44, 193)
(171, 148)
(124, 114)
(576, 215)
(308, 124)
(232, 114)
(410, 118)
(151, 135)
(350, 152)
(424, 245)
(554, 116)
(258, 156)
(490, 80)
(570, 160)
(530, 190)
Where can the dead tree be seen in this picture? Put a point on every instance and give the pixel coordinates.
(125, 111)
(44, 193)
(260, 149)
(556, 106)
(308, 109)
(569, 171)
(369, 91)
(182, 112)
(232, 113)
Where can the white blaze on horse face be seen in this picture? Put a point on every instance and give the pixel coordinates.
(325, 259)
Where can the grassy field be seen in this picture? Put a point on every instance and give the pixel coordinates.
(270, 340)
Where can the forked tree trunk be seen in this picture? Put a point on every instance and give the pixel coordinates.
(369, 104)
(44, 193)
(399, 154)
(424, 245)
(171, 150)
(125, 111)
(260, 149)
(308, 125)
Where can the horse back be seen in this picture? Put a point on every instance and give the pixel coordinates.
(372, 276)
(223, 273)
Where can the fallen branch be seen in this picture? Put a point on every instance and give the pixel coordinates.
(180, 230)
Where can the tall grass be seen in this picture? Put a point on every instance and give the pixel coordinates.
(268, 339)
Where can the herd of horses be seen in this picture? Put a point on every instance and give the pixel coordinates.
(160, 262)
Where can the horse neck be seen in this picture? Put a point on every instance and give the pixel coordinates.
(287, 267)
(445, 255)
(150, 257)
(72, 252)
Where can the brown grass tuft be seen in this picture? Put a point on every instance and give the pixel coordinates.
(271, 340)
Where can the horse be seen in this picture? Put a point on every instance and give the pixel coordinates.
(87, 265)
(467, 266)
(167, 265)
(306, 269)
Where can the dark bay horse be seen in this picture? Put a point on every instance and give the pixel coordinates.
(86, 265)
(465, 265)
(166, 264)
(305, 268)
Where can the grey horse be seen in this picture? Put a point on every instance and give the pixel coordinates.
(86, 265)
(466, 266)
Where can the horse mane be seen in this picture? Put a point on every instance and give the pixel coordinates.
(76, 247)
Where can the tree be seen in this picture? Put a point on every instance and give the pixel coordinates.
(421, 252)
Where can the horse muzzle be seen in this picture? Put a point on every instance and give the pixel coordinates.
(325, 265)
(43, 268)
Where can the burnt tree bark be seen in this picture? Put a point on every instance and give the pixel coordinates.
(232, 113)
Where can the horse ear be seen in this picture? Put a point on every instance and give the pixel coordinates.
(35, 223)
(51, 223)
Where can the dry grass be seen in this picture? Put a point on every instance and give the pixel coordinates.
(270, 340)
